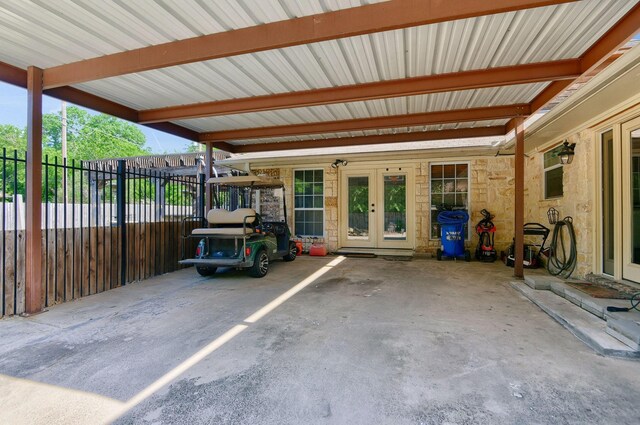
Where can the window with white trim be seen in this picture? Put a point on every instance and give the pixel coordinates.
(309, 202)
(449, 189)
(553, 174)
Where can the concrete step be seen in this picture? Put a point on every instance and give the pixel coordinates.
(542, 282)
(623, 326)
(589, 328)
(625, 330)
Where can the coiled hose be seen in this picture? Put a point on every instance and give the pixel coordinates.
(563, 259)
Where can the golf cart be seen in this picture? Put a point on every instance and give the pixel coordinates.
(240, 238)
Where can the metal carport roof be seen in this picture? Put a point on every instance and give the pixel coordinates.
(253, 75)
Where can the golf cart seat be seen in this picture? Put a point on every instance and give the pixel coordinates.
(239, 222)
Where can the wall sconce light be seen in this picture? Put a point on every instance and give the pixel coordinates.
(567, 152)
(339, 162)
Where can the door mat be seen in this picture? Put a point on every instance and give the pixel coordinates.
(398, 257)
(602, 291)
(358, 255)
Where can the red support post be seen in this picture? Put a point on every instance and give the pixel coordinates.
(518, 270)
(33, 287)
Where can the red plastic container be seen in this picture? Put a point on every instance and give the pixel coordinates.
(298, 247)
(318, 249)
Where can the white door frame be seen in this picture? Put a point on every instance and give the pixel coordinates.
(630, 270)
(344, 240)
(376, 174)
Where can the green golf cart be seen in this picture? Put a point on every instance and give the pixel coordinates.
(240, 238)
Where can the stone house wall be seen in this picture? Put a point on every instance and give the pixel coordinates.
(491, 184)
(577, 200)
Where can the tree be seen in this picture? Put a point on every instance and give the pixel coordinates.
(13, 142)
(91, 137)
(12, 137)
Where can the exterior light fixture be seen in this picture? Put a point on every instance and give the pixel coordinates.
(566, 153)
(339, 162)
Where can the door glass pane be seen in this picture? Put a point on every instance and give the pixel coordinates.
(607, 203)
(395, 207)
(358, 191)
(635, 196)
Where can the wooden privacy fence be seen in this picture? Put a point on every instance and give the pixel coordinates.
(101, 228)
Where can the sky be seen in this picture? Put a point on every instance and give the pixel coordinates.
(13, 110)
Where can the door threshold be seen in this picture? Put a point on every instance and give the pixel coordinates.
(390, 252)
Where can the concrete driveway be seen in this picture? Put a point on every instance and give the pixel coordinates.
(356, 341)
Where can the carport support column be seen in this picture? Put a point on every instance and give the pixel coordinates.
(518, 270)
(33, 225)
(208, 166)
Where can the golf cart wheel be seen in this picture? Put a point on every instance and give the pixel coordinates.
(439, 254)
(467, 256)
(260, 265)
(293, 252)
(205, 270)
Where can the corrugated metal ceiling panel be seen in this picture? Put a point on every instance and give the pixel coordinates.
(371, 108)
(82, 29)
(348, 134)
(537, 35)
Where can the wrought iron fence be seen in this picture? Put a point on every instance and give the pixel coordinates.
(102, 226)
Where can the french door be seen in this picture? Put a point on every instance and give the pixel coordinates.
(631, 200)
(377, 208)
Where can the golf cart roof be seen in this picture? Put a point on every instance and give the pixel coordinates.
(243, 181)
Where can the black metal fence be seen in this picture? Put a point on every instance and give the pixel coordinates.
(102, 226)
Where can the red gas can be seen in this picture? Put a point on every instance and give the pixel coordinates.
(318, 249)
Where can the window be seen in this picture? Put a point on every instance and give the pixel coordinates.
(553, 172)
(449, 190)
(309, 202)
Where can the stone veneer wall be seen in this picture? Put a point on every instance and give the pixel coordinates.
(491, 183)
(577, 201)
(330, 199)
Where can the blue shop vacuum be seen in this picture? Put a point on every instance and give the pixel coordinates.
(452, 225)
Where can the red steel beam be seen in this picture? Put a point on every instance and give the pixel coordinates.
(612, 40)
(18, 77)
(467, 80)
(596, 58)
(383, 16)
(33, 223)
(438, 117)
(13, 75)
(462, 133)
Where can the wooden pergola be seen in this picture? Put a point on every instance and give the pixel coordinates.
(415, 70)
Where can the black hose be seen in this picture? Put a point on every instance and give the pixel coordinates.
(562, 259)
(635, 304)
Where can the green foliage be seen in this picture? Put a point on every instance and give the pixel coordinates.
(395, 197)
(12, 137)
(89, 137)
(177, 194)
(196, 147)
(14, 141)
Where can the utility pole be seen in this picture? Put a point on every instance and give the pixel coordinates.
(64, 149)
